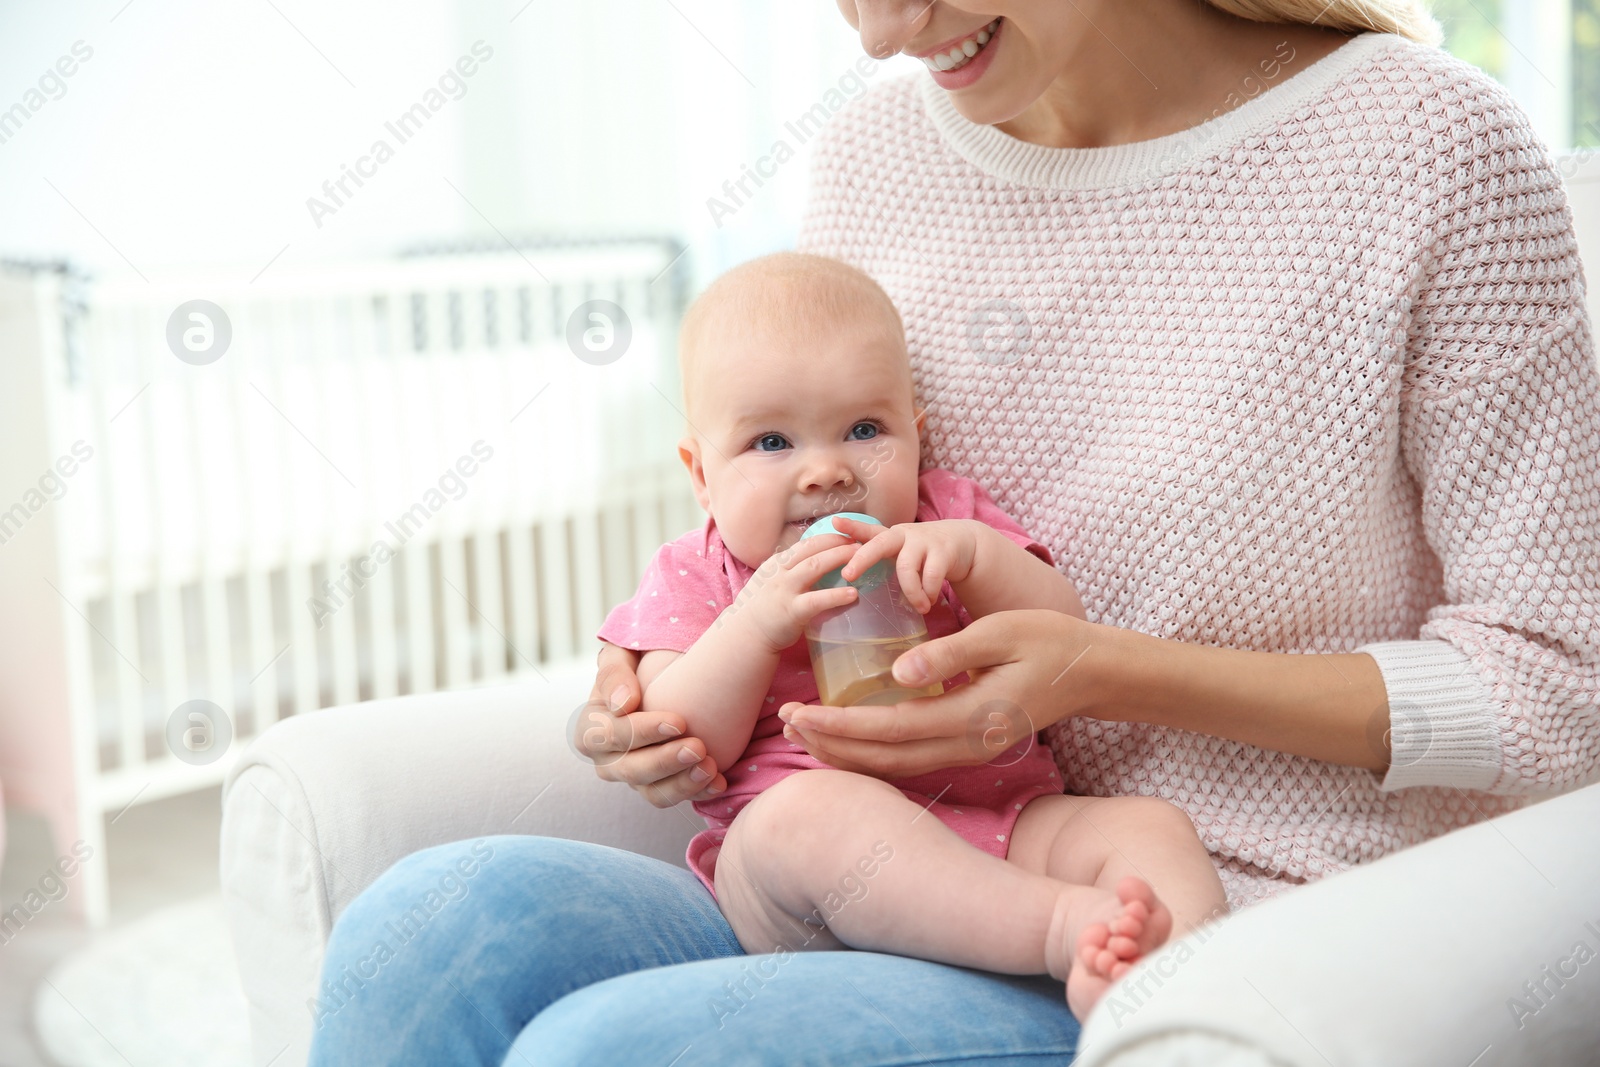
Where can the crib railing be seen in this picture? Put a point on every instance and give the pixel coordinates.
(398, 477)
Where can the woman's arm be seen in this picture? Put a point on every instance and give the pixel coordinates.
(1498, 688)
(1326, 706)
(1047, 666)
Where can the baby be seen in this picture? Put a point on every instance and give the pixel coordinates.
(799, 401)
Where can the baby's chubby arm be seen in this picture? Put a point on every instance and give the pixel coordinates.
(989, 571)
(718, 684)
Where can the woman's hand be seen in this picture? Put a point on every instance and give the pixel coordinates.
(1029, 669)
(646, 750)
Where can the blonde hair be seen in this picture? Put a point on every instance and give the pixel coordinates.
(1408, 18)
(786, 293)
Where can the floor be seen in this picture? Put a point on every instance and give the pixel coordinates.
(159, 853)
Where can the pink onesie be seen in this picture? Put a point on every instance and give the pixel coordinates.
(691, 580)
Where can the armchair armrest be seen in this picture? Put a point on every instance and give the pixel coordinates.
(322, 804)
(1475, 947)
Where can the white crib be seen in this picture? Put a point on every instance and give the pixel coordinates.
(221, 541)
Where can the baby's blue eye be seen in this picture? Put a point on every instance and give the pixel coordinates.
(871, 429)
(772, 442)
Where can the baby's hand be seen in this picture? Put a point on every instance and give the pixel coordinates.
(927, 554)
(778, 601)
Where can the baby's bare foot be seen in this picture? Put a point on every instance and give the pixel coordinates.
(1110, 934)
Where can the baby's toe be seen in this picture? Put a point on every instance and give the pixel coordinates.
(1126, 926)
(1125, 948)
(1091, 942)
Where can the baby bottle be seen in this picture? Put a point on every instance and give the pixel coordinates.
(854, 647)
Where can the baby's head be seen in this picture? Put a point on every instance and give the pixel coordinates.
(798, 394)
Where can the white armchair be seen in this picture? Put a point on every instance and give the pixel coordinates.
(1418, 958)
(322, 804)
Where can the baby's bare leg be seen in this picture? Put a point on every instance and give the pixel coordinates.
(1147, 849)
(828, 858)
(1099, 841)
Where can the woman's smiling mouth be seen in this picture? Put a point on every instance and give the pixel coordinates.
(959, 54)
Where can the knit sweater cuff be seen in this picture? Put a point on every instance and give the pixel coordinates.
(1442, 727)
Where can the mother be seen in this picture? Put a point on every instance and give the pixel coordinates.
(1268, 319)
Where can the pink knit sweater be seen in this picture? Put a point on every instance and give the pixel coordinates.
(1314, 376)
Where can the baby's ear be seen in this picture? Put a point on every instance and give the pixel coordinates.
(689, 452)
(922, 413)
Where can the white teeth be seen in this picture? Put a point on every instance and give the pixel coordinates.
(962, 53)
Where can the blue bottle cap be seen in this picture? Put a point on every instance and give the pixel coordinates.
(871, 578)
(825, 525)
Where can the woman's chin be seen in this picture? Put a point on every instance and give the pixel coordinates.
(985, 110)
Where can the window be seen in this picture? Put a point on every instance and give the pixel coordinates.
(1547, 52)
(1471, 31)
(1586, 73)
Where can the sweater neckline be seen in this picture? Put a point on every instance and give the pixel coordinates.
(997, 153)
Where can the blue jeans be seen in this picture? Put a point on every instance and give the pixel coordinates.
(533, 950)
